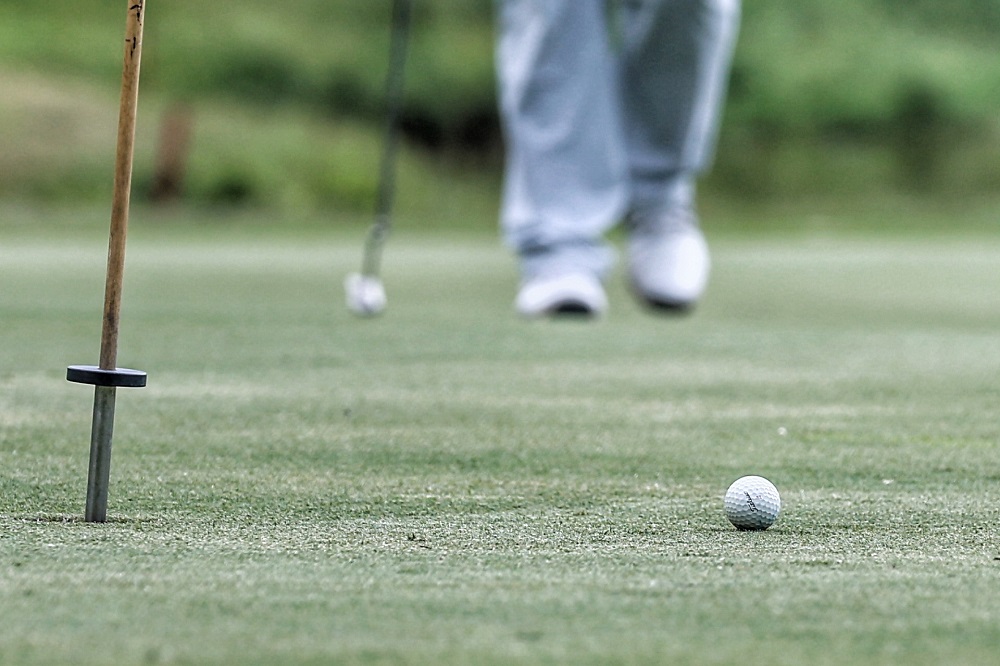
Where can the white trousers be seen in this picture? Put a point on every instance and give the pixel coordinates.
(610, 108)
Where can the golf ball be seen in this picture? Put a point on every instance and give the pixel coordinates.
(752, 503)
(365, 294)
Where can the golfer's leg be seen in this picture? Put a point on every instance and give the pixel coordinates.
(675, 68)
(565, 173)
(675, 65)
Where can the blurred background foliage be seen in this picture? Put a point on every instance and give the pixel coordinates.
(279, 105)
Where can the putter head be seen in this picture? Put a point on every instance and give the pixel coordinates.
(365, 294)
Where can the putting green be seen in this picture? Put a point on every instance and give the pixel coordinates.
(450, 484)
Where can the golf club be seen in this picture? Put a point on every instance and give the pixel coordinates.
(365, 291)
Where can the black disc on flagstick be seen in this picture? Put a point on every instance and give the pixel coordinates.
(120, 377)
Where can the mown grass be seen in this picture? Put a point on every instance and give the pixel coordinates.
(449, 484)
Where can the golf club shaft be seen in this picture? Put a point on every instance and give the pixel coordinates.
(385, 195)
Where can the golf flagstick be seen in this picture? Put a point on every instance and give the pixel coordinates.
(106, 377)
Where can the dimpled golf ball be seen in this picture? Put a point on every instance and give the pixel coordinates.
(752, 503)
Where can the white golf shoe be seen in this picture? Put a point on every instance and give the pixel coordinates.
(579, 294)
(668, 262)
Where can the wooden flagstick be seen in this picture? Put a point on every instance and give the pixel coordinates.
(106, 377)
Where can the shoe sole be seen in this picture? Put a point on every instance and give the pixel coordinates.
(572, 309)
(668, 307)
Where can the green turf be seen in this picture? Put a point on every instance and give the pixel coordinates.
(449, 484)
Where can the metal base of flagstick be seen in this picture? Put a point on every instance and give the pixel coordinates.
(106, 383)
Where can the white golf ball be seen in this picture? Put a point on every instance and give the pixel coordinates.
(752, 503)
(365, 294)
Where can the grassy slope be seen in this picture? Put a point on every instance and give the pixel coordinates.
(824, 98)
(448, 484)
(267, 89)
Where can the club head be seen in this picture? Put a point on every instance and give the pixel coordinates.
(365, 294)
